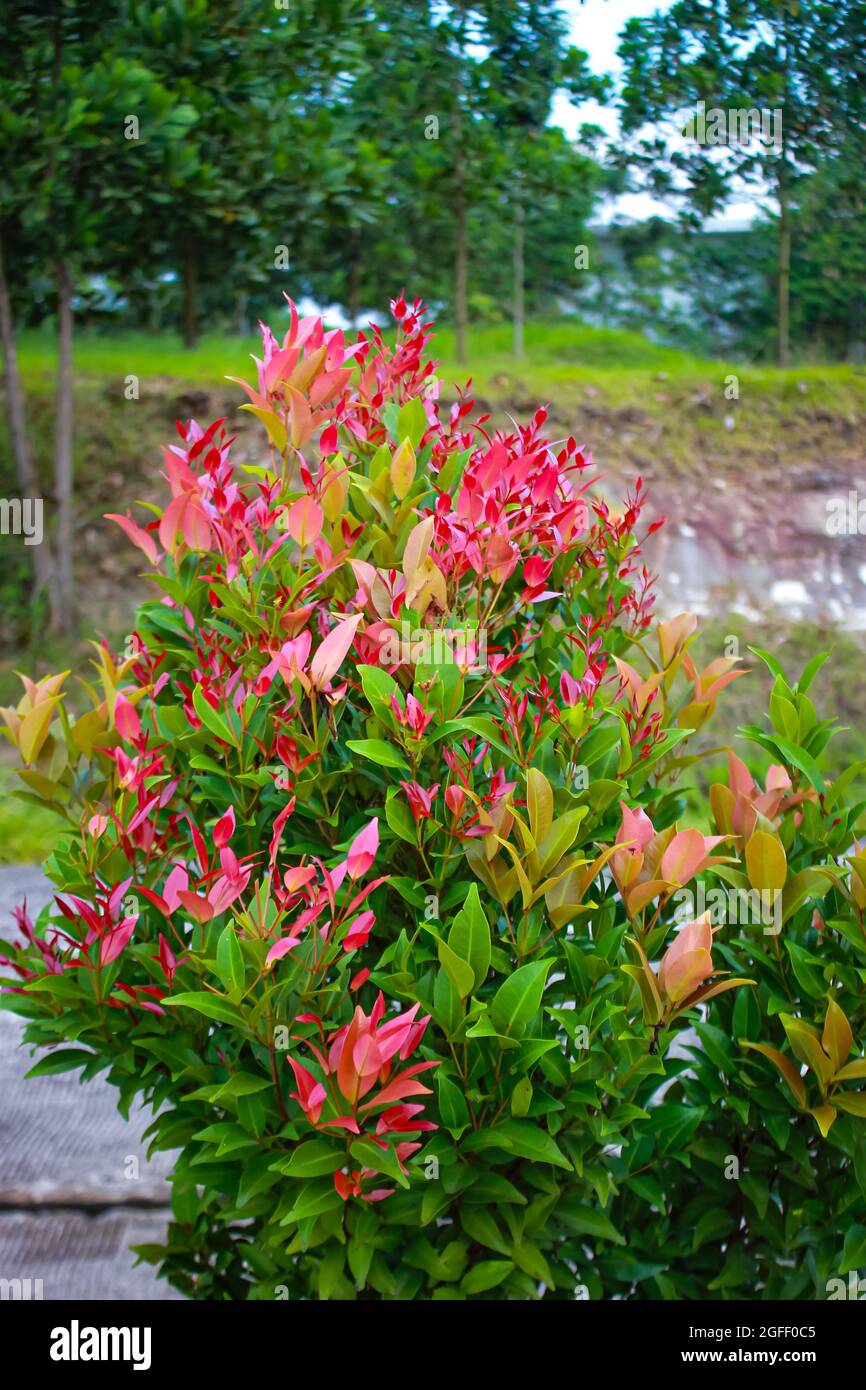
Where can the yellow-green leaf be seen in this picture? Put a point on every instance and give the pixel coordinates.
(272, 423)
(766, 864)
(539, 800)
(837, 1039)
(806, 1045)
(403, 467)
(852, 1101)
(785, 1066)
(824, 1115)
(34, 729)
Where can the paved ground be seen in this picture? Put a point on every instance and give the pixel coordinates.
(76, 1188)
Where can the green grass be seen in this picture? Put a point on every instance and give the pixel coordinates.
(562, 358)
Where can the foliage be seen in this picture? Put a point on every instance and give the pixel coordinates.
(781, 83)
(375, 887)
(338, 175)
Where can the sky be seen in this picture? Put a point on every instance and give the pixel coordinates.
(595, 27)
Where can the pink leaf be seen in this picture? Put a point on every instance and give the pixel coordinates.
(331, 654)
(305, 520)
(224, 829)
(137, 535)
(281, 948)
(126, 720)
(177, 882)
(114, 941)
(362, 850)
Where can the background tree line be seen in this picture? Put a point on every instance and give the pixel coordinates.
(164, 164)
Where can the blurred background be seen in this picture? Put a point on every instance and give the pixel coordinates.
(649, 216)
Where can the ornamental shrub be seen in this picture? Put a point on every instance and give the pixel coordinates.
(378, 887)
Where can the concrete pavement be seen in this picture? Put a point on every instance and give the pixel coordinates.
(76, 1187)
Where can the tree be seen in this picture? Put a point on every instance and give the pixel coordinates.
(256, 86)
(91, 134)
(143, 136)
(829, 271)
(457, 170)
(770, 85)
(529, 60)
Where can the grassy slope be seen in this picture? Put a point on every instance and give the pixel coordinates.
(632, 400)
(561, 356)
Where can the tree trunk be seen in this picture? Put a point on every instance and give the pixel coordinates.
(461, 250)
(783, 312)
(242, 317)
(190, 295)
(518, 311)
(784, 305)
(22, 454)
(64, 620)
(460, 275)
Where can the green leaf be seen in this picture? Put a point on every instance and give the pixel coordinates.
(313, 1159)
(787, 752)
(229, 961)
(241, 1084)
(805, 884)
(854, 1250)
(469, 937)
(412, 421)
(211, 1005)
(854, 1102)
(399, 817)
(521, 1097)
(757, 1189)
(674, 1126)
(329, 1272)
(771, 662)
(379, 689)
(493, 1187)
(211, 720)
(589, 1221)
(479, 1225)
(810, 671)
(378, 751)
(448, 1008)
(808, 969)
(65, 1060)
(713, 1225)
(560, 838)
(315, 1200)
(528, 1140)
(370, 1155)
(529, 1258)
(518, 999)
(806, 1045)
(783, 716)
(487, 1274)
(459, 972)
(453, 1109)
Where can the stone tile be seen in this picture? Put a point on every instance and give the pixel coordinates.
(80, 1257)
(66, 1144)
